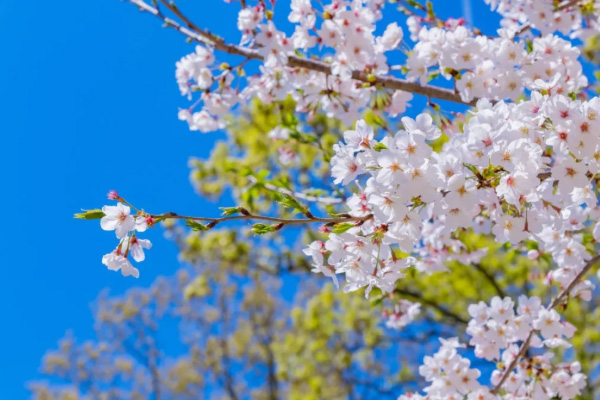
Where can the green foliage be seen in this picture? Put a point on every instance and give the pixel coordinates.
(243, 162)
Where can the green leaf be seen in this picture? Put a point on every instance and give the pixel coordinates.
(342, 227)
(261, 175)
(282, 182)
(90, 214)
(196, 226)
(288, 201)
(433, 76)
(430, 11)
(415, 4)
(380, 146)
(528, 45)
(261, 229)
(230, 210)
(473, 169)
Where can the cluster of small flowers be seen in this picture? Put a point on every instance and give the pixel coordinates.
(498, 327)
(495, 68)
(495, 327)
(194, 74)
(544, 16)
(403, 313)
(119, 219)
(347, 27)
(483, 67)
(450, 376)
(519, 171)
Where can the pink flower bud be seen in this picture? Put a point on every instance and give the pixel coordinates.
(113, 195)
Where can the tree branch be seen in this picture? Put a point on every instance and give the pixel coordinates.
(444, 311)
(491, 278)
(202, 36)
(557, 300)
(283, 221)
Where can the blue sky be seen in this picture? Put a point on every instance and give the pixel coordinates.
(89, 103)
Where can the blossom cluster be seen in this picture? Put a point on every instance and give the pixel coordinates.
(545, 16)
(402, 314)
(520, 172)
(342, 35)
(119, 219)
(450, 375)
(499, 327)
(495, 327)
(495, 68)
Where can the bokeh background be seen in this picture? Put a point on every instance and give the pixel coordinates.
(89, 104)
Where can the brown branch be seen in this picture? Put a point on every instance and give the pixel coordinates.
(205, 37)
(557, 300)
(432, 304)
(491, 278)
(283, 221)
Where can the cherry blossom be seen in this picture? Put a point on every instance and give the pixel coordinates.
(520, 166)
(117, 218)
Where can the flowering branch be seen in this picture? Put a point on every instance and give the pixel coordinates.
(557, 300)
(202, 36)
(561, 7)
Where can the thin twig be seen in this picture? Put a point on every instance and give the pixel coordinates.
(283, 221)
(431, 303)
(314, 199)
(491, 278)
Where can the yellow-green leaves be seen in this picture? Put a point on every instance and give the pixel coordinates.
(90, 214)
(198, 288)
(261, 229)
(227, 211)
(343, 227)
(196, 226)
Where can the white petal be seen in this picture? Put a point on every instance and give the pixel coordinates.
(109, 223)
(137, 253)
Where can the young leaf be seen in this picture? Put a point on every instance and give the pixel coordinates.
(230, 210)
(261, 229)
(342, 227)
(90, 214)
(379, 146)
(196, 226)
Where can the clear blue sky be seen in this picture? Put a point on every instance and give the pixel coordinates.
(88, 103)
